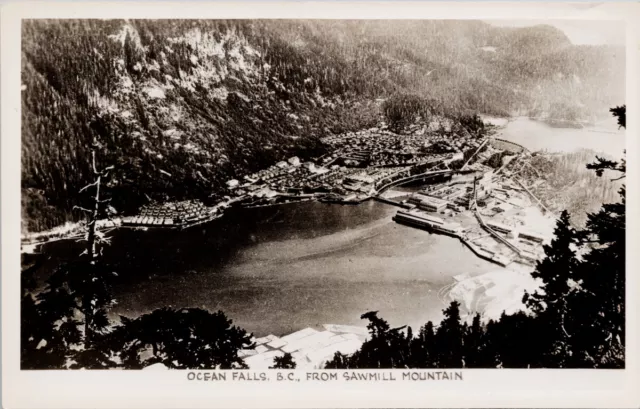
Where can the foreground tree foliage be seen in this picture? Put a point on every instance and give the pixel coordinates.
(66, 324)
(189, 338)
(283, 362)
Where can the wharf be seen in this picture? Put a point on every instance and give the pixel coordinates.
(416, 221)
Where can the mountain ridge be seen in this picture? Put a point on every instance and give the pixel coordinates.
(181, 106)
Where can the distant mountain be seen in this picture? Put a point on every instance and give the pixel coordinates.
(181, 106)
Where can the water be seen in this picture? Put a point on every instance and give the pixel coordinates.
(279, 269)
(534, 135)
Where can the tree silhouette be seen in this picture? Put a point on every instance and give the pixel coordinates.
(45, 335)
(474, 345)
(77, 294)
(512, 341)
(556, 271)
(386, 347)
(603, 164)
(339, 361)
(423, 348)
(283, 362)
(621, 115)
(598, 311)
(188, 338)
(449, 338)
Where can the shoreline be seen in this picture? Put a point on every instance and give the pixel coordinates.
(70, 231)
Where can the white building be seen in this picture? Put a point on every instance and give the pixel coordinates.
(294, 160)
(457, 156)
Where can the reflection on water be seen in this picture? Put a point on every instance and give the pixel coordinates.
(279, 269)
(535, 135)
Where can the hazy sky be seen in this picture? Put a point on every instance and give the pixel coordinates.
(578, 31)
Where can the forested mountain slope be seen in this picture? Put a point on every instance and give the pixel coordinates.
(181, 106)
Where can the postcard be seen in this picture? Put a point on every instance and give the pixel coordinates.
(321, 204)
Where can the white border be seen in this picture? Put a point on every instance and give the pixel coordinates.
(167, 389)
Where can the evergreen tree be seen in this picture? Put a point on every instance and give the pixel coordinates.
(474, 338)
(556, 272)
(621, 115)
(513, 341)
(555, 269)
(188, 338)
(386, 348)
(597, 310)
(423, 348)
(70, 314)
(449, 338)
(283, 362)
(339, 361)
(46, 335)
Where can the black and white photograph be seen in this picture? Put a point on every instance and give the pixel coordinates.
(249, 195)
(310, 194)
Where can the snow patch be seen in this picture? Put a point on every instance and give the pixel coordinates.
(219, 93)
(153, 66)
(155, 92)
(121, 36)
(492, 293)
(242, 96)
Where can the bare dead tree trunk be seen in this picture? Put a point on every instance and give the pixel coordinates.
(91, 239)
(94, 213)
(91, 249)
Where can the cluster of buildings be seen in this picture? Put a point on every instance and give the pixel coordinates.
(361, 164)
(291, 172)
(309, 348)
(381, 147)
(499, 232)
(291, 177)
(527, 244)
(455, 196)
(174, 214)
(365, 180)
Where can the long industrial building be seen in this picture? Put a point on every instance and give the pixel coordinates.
(423, 220)
(430, 203)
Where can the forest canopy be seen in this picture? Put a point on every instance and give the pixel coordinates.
(180, 106)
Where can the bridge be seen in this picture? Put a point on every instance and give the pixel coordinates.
(404, 178)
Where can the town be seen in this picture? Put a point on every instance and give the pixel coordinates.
(483, 206)
(360, 166)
